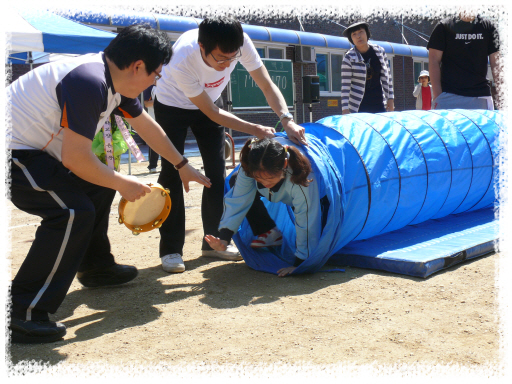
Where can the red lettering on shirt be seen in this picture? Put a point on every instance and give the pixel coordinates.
(215, 84)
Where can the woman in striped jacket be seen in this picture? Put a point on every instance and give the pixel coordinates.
(366, 84)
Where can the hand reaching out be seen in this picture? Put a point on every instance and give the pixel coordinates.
(189, 173)
(263, 132)
(285, 271)
(295, 132)
(216, 243)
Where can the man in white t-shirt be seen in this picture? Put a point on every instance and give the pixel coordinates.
(188, 95)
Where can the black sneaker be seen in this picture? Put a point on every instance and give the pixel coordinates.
(31, 332)
(113, 275)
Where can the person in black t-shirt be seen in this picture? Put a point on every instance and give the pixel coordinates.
(458, 52)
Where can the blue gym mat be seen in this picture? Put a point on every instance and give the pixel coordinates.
(423, 249)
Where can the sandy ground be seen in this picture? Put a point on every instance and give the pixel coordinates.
(224, 313)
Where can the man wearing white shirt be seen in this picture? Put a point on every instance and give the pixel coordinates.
(188, 95)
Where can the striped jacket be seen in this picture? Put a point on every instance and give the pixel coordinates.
(353, 78)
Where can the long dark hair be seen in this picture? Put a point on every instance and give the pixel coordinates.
(267, 155)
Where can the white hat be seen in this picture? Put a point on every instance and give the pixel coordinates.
(424, 73)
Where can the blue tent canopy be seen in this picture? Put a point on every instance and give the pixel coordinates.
(43, 31)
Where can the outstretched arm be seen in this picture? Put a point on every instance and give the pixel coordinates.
(156, 138)
(77, 156)
(228, 120)
(275, 99)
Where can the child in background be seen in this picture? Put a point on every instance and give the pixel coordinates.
(423, 92)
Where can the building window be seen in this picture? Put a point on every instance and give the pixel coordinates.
(336, 72)
(328, 69)
(276, 53)
(322, 71)
(267, 52)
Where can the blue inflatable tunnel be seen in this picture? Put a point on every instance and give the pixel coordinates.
(410, 192)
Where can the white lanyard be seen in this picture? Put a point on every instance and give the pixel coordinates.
(107, 141)
(129, 140)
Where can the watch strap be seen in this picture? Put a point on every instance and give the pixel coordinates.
(181, 164)
(287, 115)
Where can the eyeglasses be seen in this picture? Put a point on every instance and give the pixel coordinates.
(236, 57)
(158, 75)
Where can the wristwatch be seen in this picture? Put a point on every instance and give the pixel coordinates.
(286, 115)
(181, 164)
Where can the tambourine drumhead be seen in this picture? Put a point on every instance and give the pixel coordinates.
(146, 213)
(144, 210)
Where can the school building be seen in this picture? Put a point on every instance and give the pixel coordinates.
(295, 48)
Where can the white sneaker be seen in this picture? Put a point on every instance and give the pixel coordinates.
(272, 238)
(173, 263)
(152, 170)
(231, 253)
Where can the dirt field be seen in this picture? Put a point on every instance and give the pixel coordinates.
(224, 313)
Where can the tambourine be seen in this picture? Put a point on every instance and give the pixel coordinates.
(148, 212)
